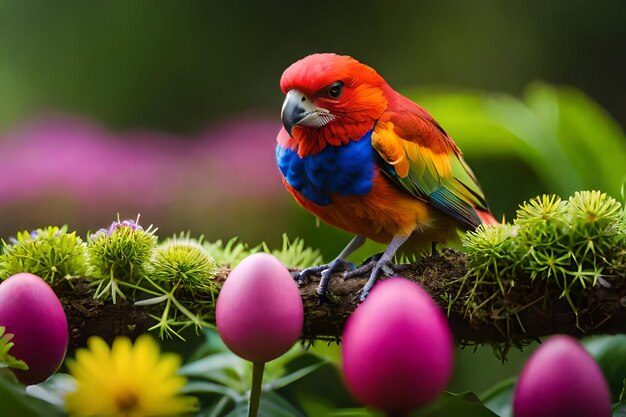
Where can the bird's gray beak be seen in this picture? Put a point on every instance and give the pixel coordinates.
(293, 110)
(298, 110)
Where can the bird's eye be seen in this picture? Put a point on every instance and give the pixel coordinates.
(335, 89)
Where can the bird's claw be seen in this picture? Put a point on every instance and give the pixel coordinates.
(324, 271)
(362, 294)
(303, 276)
(369, 265)
(376, 267)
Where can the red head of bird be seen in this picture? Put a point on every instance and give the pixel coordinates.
(331, 99)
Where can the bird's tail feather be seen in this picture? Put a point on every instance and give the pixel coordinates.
(486, 217)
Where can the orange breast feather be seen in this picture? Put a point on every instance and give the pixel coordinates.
(381, 214)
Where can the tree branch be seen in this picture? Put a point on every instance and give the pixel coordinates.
(521, 315)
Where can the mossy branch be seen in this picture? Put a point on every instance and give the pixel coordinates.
(600, 310)
(559, 267)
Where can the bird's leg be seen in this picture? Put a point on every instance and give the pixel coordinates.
(338, 264)
(374, 258)
(433, 250)
(377, 266)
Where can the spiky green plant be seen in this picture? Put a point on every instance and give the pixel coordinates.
(6, 360)
(180, 266)
(566, 246)
(543, 238)
(597, 223)
(231, 253)
(493, 262)
(595, 208)
(294, 253)
(541, 210)
(50, 253)
(183, 261)
(118, 256)
(493, 252)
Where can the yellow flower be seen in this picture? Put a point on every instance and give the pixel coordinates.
(126, 381)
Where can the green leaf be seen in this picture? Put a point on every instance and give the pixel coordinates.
(293, 377)
(211, 344)
(54, 389)
(298, 360)
(328, 351)
(354, 412)
(272, 405)
(537, 130)
(212, 363)
(203, 387)
(217, 409)
(448, 405)
(591, 139)
(619, 410)
(465, 118)
(224, 368)
(610, 353)
(276, 368)
(455, 405)
(15, 401)
(499, 398)
(563, 135)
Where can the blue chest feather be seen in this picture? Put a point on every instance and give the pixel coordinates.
(344, 170)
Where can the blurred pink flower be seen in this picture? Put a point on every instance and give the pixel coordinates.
(76, 163)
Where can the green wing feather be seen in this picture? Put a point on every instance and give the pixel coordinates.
(423, 161)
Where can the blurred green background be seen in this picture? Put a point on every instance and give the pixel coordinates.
(170, 108)
(177, 65)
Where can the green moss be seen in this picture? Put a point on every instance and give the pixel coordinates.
(494, 249)
(539, 211)
(173, 279)
(229, 254)
(294, 254)
(50, 253)
(596, 228)
(494, 258)
(553, 248)
(119, 255)
(180, 277)
(183, 261)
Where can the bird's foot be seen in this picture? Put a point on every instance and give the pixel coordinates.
(433, 249)
(377, 266)
(324, 271)
(367, 266)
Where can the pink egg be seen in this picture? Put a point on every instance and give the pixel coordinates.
(561, 379)
(397, 348)
(259, 312)
(32, 312)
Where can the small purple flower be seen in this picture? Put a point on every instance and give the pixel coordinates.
(125, 223)
(33, 235)
(116, 225)
(101, 231)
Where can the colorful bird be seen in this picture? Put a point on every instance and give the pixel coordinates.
(365, 159)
